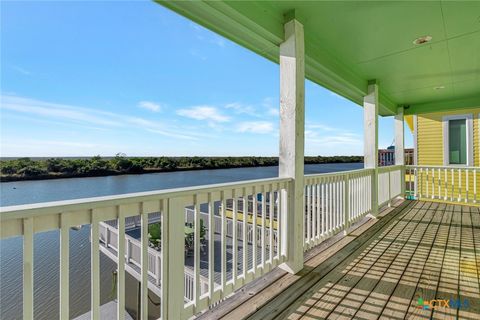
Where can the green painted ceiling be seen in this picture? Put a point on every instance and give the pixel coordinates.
(348, 43)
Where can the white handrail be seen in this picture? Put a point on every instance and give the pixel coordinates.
(335, 174)
(446, 183)
(443, 167)
(24, 210)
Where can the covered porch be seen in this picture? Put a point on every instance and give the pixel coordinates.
(362, 260)
(417, 260)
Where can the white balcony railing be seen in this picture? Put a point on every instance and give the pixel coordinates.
(453, 184)
(334, 201)
(248, 260)
(245, 234)
(389, 183)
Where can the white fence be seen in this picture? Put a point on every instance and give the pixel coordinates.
(389, 183)
(334, 201)
(454, 184)
(27, 220)
(217, 225)
(237, 255)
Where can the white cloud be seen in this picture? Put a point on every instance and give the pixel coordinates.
(55, 123)
(266, 109)
(206, 35)
(148, 105)
(203, 113)
(242, 108)
(63, 143)
(319, 134)
(331, 140)
(196, 54)
(173, 135)
(15, 146)
(273, 112)
(261, 127)
(313, 126)
(21, 70)
(80, 116)
(195, 26)
(272, 109)
(53, 110)
(219, 41)
(342, 143)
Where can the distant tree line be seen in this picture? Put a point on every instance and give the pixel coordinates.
(26, 168)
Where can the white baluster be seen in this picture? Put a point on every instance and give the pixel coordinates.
(346, 203)
(95, 266)
(467, 185)
(28, 268)
(459, 185)
(64, 267)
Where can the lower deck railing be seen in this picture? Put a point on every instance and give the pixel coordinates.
(245, 234)
(133, 254)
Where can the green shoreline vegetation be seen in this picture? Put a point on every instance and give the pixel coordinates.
(28, 169)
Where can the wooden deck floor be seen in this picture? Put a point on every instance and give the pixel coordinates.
(420, 250)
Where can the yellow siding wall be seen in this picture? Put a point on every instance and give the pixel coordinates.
(430, 153)
(430, 137)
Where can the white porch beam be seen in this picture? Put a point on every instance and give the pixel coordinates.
(292, 139)
(370, 136)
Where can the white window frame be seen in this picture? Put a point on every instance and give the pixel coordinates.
(469, 122)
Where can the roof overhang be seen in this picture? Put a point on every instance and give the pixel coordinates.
(349, 43)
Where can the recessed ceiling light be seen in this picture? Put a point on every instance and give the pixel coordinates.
(439, 88)
(422, 40)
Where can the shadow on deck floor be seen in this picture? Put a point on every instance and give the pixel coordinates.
(388, 268)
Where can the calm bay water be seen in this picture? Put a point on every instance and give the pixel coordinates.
(46, 249)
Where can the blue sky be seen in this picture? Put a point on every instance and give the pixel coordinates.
(88, 78)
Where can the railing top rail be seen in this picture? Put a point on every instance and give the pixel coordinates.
(55, 207)
(444, 167)
(390, 168)
(338, 173)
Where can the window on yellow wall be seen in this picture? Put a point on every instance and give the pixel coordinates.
(457, 141)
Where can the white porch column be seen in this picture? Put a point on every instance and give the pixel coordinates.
(370, 136)
(292, 127)
(399, 138)
(400, 146)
